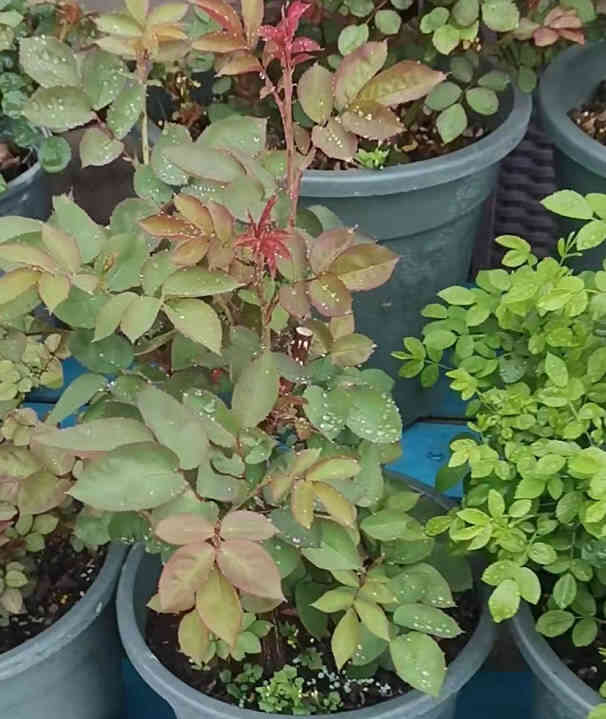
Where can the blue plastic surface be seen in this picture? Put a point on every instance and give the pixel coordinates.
(71, 369)
(425, 450)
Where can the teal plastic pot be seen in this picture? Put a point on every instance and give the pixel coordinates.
(27, 195)
(559, 694)
(429, 213)
(138, 583)
(580, 161)
(72, 670)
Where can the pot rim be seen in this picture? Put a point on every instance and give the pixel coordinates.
(74, 622)
(178, 693)
(16, 185)
(548, 667)
(426, 173)
(561, 130)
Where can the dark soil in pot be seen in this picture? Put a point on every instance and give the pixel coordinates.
(64, 576)
(14, 161)
(354, 693)
(591, 116)
(195, 108)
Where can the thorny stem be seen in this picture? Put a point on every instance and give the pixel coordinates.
(143, 70)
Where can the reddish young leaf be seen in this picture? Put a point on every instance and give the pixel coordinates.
(325, 248)
(250, 568)
(329, 295)
(218, 605)
(293, 298)
(195, 212)
(189, 252)
(356, 70)
(184, 528)
(335, 141)
(365, 266)
(244, 524)
(183, 574)
(237, 63)
(372, 121)
(222, 13)
(223, 221)
(166, 226)
(219, 42)
(403, 82)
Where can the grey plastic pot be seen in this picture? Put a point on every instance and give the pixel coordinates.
(580, 161)
(138, 583)
(430, 214)
(559, 693)
(27, 195)
(71, 670)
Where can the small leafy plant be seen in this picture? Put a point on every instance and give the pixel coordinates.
(526, 347)
(33, 505)
(227, 422)
(21, 141)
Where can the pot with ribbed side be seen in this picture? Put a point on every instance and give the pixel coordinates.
(28, 195)
(430, 214)
(559, 693)
(138, 583)
(71, 670)
(580, 161)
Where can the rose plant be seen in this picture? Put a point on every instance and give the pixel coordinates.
(226, 420)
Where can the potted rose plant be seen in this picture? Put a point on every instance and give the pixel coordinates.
(527, 349)
(239, 441)
(25, 150)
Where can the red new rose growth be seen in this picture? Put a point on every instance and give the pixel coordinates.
(265, 240)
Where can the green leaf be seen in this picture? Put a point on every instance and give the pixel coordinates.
(584, 632)
(314, 91)
(351, 38)
(442, 96)
(465, 12)
(419, 661)
(483, 100)
(591, 235)
(48, 62)
(335, 600)
(446, 38)
(422, 583)
(315, 621)
(54, 154)
(598, 712)
(77, 394)
(345, 638)
(433, 20)
(98, 149)
(430, 620)
(58, 108)
(565, 591)
(388, 22)
(174, 426)
(495, 80)
(542, 553)
(132, 477)
(256, 391)
(105, 357)
(556, 370)
(196, 320)
(374, 416)
(451, 122)
(126, 109)
(238, 132)
(199, 282)
(500, 15)
(505, 600)
(75, 222)
(110, 315)
(461, 68)
(373, 618)
(596, 365)
(597, 202)
(389, 524)
(163, 168)
(336, 551)
(103, 77)
(568, 204)
(139, 316)
(555, 622)
(149, 187)
(457, 295)
(100, 435)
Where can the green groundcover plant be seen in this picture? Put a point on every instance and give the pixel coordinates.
(526, 346)
(227, 420)
(22, 140)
